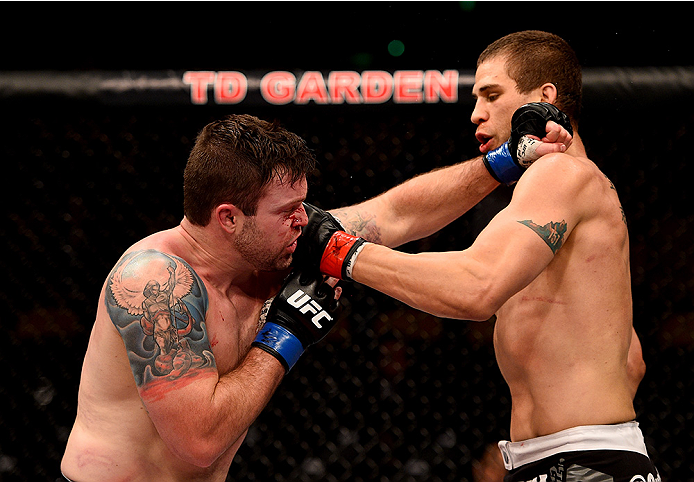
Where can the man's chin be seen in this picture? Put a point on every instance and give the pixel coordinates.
(283, 264)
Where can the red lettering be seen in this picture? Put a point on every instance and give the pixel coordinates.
(369, 87)
(230, 87)
(312, 87)
(441, 86)
(344, 86)
(199, 81)
(408, 86)
(376, 86)
(278, 87)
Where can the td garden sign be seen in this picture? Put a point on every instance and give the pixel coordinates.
(276, 88)
(336, 87)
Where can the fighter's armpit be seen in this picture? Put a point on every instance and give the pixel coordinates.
(158, 304)
(551, 233)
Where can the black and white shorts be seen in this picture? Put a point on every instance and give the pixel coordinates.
(594, 453)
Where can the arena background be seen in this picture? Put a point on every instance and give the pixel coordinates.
(392, 394)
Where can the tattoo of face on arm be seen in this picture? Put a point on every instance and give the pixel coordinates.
(551, 233)
(158, 305)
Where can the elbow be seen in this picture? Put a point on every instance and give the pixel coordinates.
(198, 454)
(482, 315)
(481, 299)
(477, 305)
(198, 451)
(487, 299)
(481, 311)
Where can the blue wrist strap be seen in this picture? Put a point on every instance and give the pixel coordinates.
(280, 342)
(501, 165)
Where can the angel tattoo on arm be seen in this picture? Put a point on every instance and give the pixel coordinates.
(166, 297)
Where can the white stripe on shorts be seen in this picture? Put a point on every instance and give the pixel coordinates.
(624, 436)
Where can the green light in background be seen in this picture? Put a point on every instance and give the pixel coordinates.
(362, 60)
(467, 6)
(396, 48)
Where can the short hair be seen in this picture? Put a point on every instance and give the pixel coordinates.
(534, 58)
(234, 159)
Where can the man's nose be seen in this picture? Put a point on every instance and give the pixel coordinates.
(301, 218)
(478, 114)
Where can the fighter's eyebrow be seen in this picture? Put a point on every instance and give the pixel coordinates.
(291, 204)
(483, 89)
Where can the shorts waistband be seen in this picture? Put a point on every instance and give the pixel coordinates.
(624, 436)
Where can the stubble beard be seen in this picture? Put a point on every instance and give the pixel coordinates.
(250, 244)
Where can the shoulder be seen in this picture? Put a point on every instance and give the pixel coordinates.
(568, 184)
(560, 173)
(143, 274)
(564, 166)
(158, 304)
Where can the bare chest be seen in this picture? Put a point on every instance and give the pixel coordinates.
(232, 325)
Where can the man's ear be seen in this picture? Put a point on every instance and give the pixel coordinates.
(227, 216)
(549, 93)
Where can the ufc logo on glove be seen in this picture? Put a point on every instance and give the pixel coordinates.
(305, 304)
(300, 315)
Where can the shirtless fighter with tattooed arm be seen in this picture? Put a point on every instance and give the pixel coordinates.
(171, 381)
(553, 266)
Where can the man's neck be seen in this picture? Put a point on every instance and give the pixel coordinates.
(577, 148)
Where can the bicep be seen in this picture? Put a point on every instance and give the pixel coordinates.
(522, 239)
(509, 256)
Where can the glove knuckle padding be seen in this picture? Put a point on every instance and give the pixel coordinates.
(314, 236)
(324, 245)
(305, 305)
(531, 119)
(507, 162)
(302, 313)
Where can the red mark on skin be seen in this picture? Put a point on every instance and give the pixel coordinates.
(590, 258)
(89, 458)
(214, 339)
(93, 460)
(543, 300)
(159, 388)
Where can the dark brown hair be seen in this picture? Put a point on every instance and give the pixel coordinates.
(234, 159)
(534, 58)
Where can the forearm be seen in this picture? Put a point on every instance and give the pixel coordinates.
(242, 394)
(420, 206)
(447, 284)
(216, 412)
